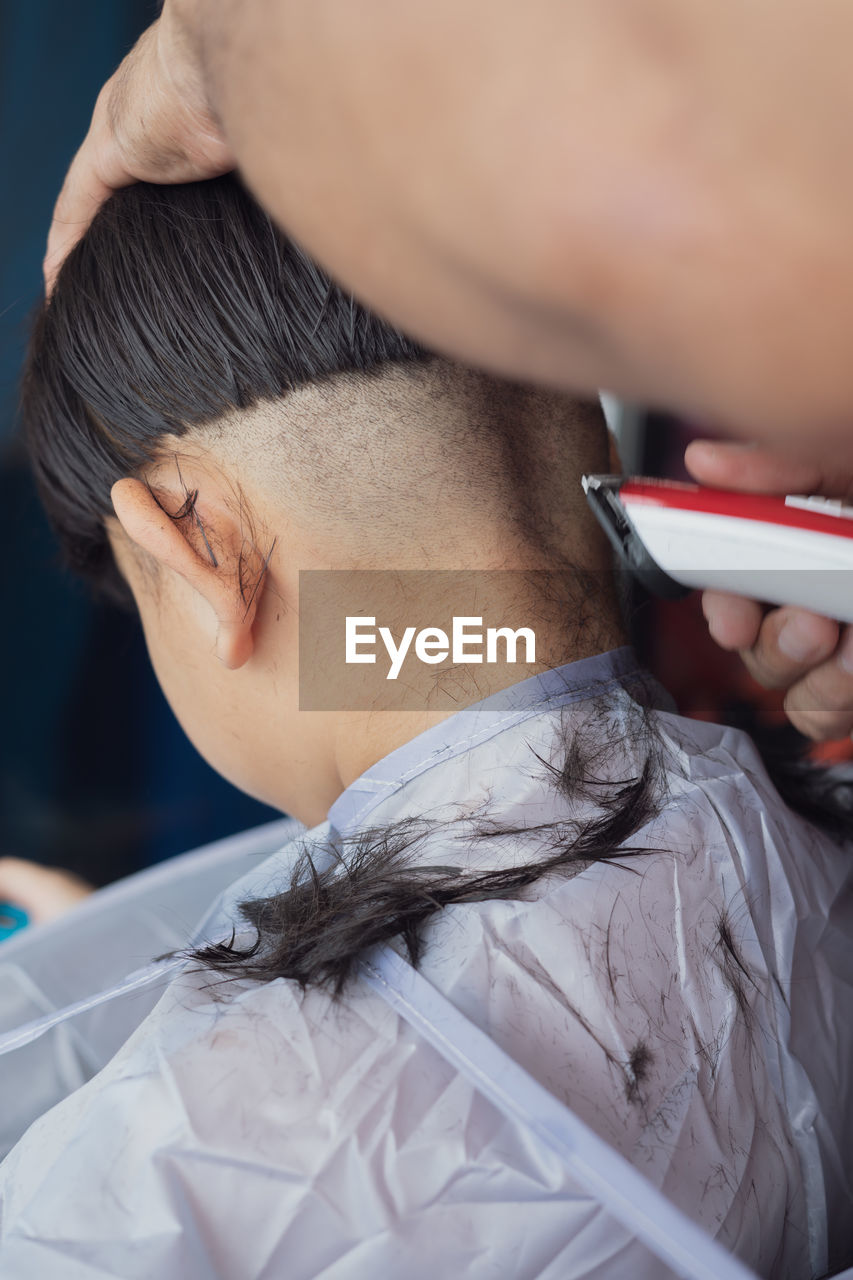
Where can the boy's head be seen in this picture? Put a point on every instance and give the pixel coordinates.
(208, 414)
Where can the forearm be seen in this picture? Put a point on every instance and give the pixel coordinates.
(638, 195)
(428, 159)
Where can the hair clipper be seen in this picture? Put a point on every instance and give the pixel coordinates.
(674, 538)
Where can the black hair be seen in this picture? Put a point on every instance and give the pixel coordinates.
(179, 304)
(372, 891)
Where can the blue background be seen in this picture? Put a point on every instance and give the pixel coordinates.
(95, 773)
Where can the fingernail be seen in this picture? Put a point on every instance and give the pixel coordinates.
(796, 640)
(845, 653)
(712, 621)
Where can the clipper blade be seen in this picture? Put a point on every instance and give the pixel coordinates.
(602, 494)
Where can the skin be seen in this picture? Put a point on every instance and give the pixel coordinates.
(231, 672)
(224, 668)
(395, 472)
(682, 241)
(691, 250)
(45, 893)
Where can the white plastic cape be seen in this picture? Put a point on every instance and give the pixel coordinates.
(692, 1003)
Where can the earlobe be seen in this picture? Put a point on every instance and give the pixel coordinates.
(235, 643)
(220, 579)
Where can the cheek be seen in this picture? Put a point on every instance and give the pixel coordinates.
(212, 705)
(169, 645)
(176, 666)
(180, 650)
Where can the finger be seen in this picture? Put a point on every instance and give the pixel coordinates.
(790, 643)
(94, 174)
(71, 219)
(730, 465)
(733, 621)
(43, 892)
(821, 704)
(19, 887)
(19, 880)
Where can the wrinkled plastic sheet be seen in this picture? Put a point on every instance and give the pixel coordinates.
(693, 1005)
(43, 968)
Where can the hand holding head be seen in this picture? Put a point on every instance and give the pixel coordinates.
(152, 122)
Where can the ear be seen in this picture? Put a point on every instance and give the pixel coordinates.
(205, 544)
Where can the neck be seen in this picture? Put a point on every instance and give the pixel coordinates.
(573, 617)
(350, 713)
